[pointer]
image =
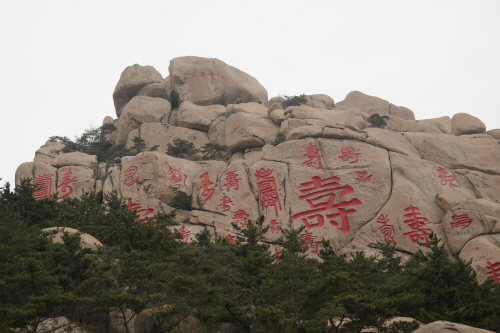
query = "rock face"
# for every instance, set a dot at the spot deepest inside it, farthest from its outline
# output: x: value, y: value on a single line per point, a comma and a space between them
x: 446, y: 327
x: 319, y: 166
x: 206, y: 81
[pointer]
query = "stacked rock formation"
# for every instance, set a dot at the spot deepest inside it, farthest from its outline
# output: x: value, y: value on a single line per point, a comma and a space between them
x: 343, y: 180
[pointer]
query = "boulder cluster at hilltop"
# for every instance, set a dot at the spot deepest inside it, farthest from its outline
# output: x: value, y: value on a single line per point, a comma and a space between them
x: 333, y: 172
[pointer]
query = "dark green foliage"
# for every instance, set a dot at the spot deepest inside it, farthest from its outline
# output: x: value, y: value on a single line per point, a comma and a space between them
x: 377, y: 120
x: 214, y: 151
x: 294, y: 101
x: 182, y: 149
x: 280, y: 138
x: 230, y: 288
x: 181, y: 200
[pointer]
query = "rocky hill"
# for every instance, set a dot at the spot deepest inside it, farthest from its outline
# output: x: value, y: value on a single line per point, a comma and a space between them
x: 321, y: 165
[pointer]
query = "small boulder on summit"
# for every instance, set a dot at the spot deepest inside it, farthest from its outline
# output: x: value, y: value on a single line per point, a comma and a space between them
x: 364, y: 103
x: 208, y: 81
x: 463, y: 123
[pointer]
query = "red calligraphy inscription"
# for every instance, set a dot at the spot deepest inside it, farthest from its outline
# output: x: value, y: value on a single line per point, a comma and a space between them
x: 309, y: 241
x: 67, y: 184
x: 232, y: 180
x: 319, y: 194
x: 129, y: 174
x: 461, y: 221
x: 240, y: 218
x: 231, y: 239
x: 494, y: 271
x: 313, y: 153
x: 142, y: 212
x: 193, y: 74
x: 43, y: 187
x: 206, y: 192
x: 362, y: 176
x: 387, y: 229
x: 445, y: 179
x: 277, y: 255
x: 268, y: 191
x: 176, y: 177
x: 349, y: 154
x: 274, y: 227
x: 225, y: 202
x: 185, y: 234
x: 416, y: 222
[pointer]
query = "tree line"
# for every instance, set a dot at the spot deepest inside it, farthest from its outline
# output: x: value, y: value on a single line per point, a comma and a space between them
x: 219, y: 286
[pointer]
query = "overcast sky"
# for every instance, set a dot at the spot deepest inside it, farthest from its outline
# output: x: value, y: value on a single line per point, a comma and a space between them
x: 61, y: 60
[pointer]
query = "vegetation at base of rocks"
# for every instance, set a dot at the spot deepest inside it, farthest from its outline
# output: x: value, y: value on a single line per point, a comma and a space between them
x: 182, y: 149
x: 377, y: 120
x: 94, y: 141
x: 214, y: 151
x: 181, y: 200
x: 294, y: 101
x: 227, y: 286
x: 280, y: 138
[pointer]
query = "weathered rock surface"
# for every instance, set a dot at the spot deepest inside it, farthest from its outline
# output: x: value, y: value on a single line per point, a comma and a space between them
x: 87, y: 241
x: 198, y: 117
x: 321, y: 101
x: 133, y: 79
x: 463, y: 123
x: 364, y: 103
x: 47, y: 152
x: 246, y: 130
x: 206, y: 81
x: 448, y: 327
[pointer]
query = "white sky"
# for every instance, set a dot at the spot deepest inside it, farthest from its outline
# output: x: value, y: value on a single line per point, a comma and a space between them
x: 61, y: 60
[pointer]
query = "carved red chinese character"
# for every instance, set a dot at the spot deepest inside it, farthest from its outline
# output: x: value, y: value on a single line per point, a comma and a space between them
x: 494, y: 271
x: 309, y: 241
x: 268, y: 191
x: 240, y: 218
x: 129, y: 174
x: 274, y: 227
x: 319, y: 194
x: 362, y: 176
x: 225, y: 202
x: 277, y: 255
x: 445, y: 179
x: 232, y: 180
x: 67, y: 184
x: 348, y: 154
x: 206, y: 192
x: 202, y: 74
x: 416, y: 222
x: 185, y: 233
x: 231, y: 239
x: 142, y: 212
x: 461, y: 221
x: 193, y: 74
x: 313, y: 155
x: 387, y: 229
x: 43, y: 187
x: 176, y: 177
x: 211, y: 74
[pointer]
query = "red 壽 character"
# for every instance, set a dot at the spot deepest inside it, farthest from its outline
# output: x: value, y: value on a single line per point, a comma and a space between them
x: 274, y: 227
x: 313, y: 155
x: 362, y: 176
x: 268, y: 191
x: 140, y: 211
x: 494, y: 271
x: 461, y: 221
x: 232, y: 180
x: 43, y: 187
x: 319, y: 194
x: 130, y: 173
x: 176, y: 177
x: 387, y: 229
x: 445, y: 179
x: 349, y: 153
x: 309, y: 241
x: 416, y: 222
x: 207, y: 192
x: 240, y: 218
x: 231, y: 239
x: 185, y: 233
x: 225, y: 201
x: 67, y: 184
x: 277, y: 255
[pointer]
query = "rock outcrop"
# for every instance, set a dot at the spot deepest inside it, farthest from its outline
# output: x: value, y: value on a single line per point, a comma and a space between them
x: 320, y: 166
